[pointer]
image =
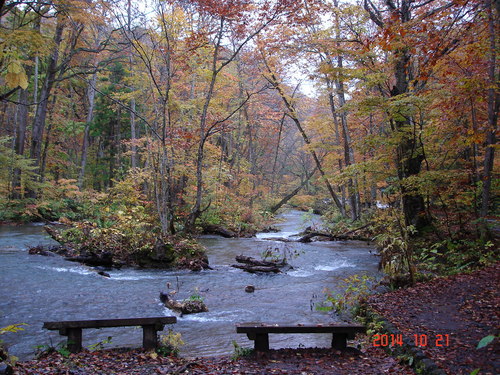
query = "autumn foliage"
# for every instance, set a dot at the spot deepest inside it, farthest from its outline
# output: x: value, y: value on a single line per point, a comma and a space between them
x: 217, y: 110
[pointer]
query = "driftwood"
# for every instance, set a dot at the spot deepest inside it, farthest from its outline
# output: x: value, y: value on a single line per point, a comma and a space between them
x: 335, y: 237
x: 184, y: 307
x: 54, y: 233
x: 256, y: 262
x: 104, y: 260
x: 278, y: 239
x: 227, y: 233
x: 253, y: 269
x: 359, y: 228
x: 221, y: 231
x: 253, y: 265
x: 309, y: 236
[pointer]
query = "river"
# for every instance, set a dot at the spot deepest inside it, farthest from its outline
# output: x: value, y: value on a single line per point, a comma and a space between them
x: 35, y: 289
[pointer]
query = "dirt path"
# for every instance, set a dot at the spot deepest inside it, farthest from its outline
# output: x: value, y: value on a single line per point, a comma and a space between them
x: 450, y: 315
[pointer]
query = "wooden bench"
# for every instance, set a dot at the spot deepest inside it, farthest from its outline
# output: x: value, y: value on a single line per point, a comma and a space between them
x: 260, y: 332
x: 73, y: 329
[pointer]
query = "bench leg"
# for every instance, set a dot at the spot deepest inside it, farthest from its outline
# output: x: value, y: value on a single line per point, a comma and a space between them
x: 261, y: 343
x: 339, y: 341
x: 74, y: 339
x: 149, y: 337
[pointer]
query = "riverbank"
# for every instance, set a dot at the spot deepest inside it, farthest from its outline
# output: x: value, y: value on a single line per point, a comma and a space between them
x: 452, y: 313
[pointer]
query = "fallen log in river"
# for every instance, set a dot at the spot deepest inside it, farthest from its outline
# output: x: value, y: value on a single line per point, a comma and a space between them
x: 253, y: 265
x: 348, y: 236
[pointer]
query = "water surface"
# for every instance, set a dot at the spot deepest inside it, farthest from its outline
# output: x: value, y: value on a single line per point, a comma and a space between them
x: 35, y: 289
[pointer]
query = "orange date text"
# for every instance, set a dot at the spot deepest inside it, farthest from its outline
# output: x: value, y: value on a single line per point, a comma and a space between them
x: 421, y: 340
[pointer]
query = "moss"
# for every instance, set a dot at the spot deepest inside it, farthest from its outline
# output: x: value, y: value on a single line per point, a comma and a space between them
x: 137, y: 246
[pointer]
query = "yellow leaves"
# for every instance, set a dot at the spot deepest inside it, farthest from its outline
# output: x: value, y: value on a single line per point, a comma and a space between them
x: 16, y: 76
x: 12, y: 328
x: 15, y: 67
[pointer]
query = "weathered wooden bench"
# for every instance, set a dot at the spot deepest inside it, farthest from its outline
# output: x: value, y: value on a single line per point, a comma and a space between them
x: 73, y: 329
x: 260, y: 332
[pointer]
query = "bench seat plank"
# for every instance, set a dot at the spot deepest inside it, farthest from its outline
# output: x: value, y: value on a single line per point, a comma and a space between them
x: 259, y: 332
x: 300, y: 328
x: 101, y: 323
x: 73, y: 329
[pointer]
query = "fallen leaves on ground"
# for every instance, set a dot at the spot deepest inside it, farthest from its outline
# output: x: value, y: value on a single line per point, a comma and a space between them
x: 311, y: 361
x: 465, y: 307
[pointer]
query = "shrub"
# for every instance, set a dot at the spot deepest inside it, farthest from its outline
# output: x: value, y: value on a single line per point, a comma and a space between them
x: 170, y: 344
x: 356, y: 289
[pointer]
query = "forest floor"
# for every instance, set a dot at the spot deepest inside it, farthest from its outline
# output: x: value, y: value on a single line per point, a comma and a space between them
x: 465, y: 307
x: 452, y: 314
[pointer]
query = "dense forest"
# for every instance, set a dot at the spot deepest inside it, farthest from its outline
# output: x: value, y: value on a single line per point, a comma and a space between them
x: 167, y: 117
x: 131, y: 127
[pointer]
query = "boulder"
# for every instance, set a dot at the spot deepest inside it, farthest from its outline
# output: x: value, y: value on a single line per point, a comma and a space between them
x: 249, y: 289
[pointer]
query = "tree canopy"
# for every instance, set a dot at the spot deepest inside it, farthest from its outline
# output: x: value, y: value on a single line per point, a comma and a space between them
x: 199, y: 110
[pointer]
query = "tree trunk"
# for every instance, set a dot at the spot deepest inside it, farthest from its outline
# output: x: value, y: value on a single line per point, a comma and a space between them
x: 133, y: 135
x: 292, y: 114
x: 348, y: 150
x: 278, y: 141
x: 90, y: 116
x: 133, y: 157
x: 41, y: 110
x: 45, y: 149
x: 289, y: 196
x: 331, y: 100
x: 408, y: 155
x: 196, y: 210
x: 22, y: 122
x: 493, y: 106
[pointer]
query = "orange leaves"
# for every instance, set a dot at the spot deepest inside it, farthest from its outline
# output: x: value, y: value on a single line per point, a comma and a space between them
x: 230, y: 9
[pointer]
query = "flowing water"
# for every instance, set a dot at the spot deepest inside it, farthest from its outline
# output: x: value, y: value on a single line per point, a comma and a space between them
x: 35, y: 288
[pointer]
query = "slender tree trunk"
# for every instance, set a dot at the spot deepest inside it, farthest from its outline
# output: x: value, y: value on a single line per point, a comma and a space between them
x: 90, y: 115
x: 293, y: 115
x: 133, y: 135
x: 133, y: 158
x: 41, y: 110
x: 273, y: 175
x: 348, y: 150
x: 196, y: 210
x: 493, y: 106
x: 331, y: 100
x: 22, y: 122
x: 293, y: 193
x: 35, y: 80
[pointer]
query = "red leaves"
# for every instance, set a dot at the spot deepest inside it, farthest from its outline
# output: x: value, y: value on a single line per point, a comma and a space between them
x: 230, y: 9
x: 285, y: 361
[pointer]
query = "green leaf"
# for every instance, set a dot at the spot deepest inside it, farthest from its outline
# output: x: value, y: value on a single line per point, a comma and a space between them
x: 475, y: 372
x: 485, y: 341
